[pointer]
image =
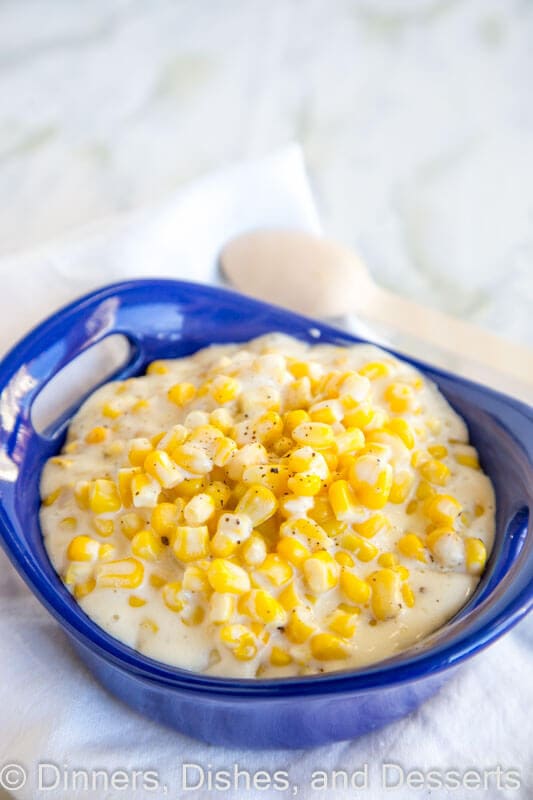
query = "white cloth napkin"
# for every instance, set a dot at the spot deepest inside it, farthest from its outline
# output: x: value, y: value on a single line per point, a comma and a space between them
x: 52, y: 711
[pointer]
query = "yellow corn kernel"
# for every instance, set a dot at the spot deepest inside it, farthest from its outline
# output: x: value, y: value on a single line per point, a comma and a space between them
x: 435, y: 472
x: 334, y: 527
x: 354, y: 588
x: 140, y: 405
x: 103, y: 496
x: 145, y: 491
x: 195, y: 580
x: 221, y: 607
x: 386, y: 593
x: 130, y: 524
x: 149, y: 625
x: 447, y: 547
x: 424, y: 490
x: 96, y: 435
x: 159, y: 465
x: 225, y: 576
x: 315, y: 536
x: 126, y: 573
x: 136, y: 602
x: 352, y: 440
x: 468, y: 458
x: 220, y: 493
x: 321, y: 510
x: 292, y: 550
x: 254, y: 550
x: 164, y: 518
x: 50, y: 499
x: 363, y: 549
x: 344, y: 559
x: 240, y: 640
x: 273, y: 476
x: 374, y: 370
x: 291, y: 420
x: 314, y: 434
x: 371, y: 479
x: 199, y: 509
x: 388, y: 560
x: 191, y: 543
x: 289, y: 598
x: 157, y: 368
x: 139, y: 449
x: 442, y: 509
x: 83, y: 548
x: 224, y: 449
x: 263, y: 607
x: 304, y: 484
x: 192, y: 614
x: 377, y: 523
x: 401, y: 428
x: 299, y: 394
x: 321, y: 571
x: 299, y: 627
x: 400, y: 397
x: 105, y: 527
x: 146, y: 545
x: 268, y: 427
x: 190, y: 487
x: 411, y: 546
x: 182, y: 393
x: 171, y: 439
x: 342, y: 622
x: 155, y: 440
x: 282, y: 446
x: 408, y: 595
x: 279, y: 657
x: 173, y: 596
x: 401, y: 486
x: 69, y: 523
x: 232, y: 530
x: 157, y: 581
x: 258, y: 503
x: 111, y: 411
x: 276, y: 569
x: 476, y: 555
x: 402, y: 571
x: 84, y: 588
x: 360, y: 417
x: 222, y: 419
x: 412, y: 507
x: 192, y: 458
x: 438, y: 451
x: 344, y: 502
x: 224, y: 389
x: 327, y: 411
x: 124, y: 481
x: 327, y: 647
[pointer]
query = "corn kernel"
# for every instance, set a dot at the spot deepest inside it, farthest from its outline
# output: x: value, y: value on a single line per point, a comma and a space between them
x: 292, y: 550
x: 411, y: 546
x: 96, y: 435
x: 304, y: 484
x: 276, y: 569
x: 130, y: 524
x: 164, y: 518
x: 157, y: 368
x: 182, y: 393
x: 327, y: 647
x: 159, y: 465
x: 299, y: 627
x: 408, y: 595
x: 435, y: 472
x: 372, y: 480
x: 401, y: 486
x: 172, y: 596
x: 352, y: 440
x: 191, y: 543
x: 191, y: 487
x: 126, y: 573
x: 447, y: 547
x: 195, y: 580
x: 83, y: 548
x: 344, y: 559
x: 225, y: 576
x: 374, y: 370
x: 192, y: 458
x: 401, y: 428
x: 145, y: 491
x: 400, y: 397
x: 221, y: 607
x: 327, y: 411
x: 291, y: 420
x: 354, y: 588
x: 103, y: 496
x: 263, y: 607
x: 81, y: 590
x: 199, y: 509
x: 321, y: 571
x: 224, y: 389
x: 105, y: 527
x: 146, y: 545
x: 280, y: 657
x: 241, y: 641
x: 442, y: 509
x: 136, y: 602
x: 343, y: 623
x: 476, y: 555
x: 254, y: 550
x: 258, y: 503
x: 438, y: 451
x: 386, y: 593
x: 344, y: 502
x: 377, y: 523
x: 222, y: 419
x: 139, y: 449
x: 314, y: 434
x: 111, y: 411
x: 315, y: 536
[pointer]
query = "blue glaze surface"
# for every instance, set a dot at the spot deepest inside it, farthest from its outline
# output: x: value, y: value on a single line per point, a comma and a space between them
x: 164, y: 319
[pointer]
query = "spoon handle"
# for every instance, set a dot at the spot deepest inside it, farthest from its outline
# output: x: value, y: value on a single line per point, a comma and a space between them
x: 450, y: 333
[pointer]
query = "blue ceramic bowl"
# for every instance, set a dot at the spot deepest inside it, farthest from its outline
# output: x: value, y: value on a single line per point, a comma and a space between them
x: 165, y: 319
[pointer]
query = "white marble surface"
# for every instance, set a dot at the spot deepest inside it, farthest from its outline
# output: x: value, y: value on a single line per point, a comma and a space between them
x: 415, y: 117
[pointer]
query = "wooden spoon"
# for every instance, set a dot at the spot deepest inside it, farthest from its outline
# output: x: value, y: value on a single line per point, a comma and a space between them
x: 320, y: 278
